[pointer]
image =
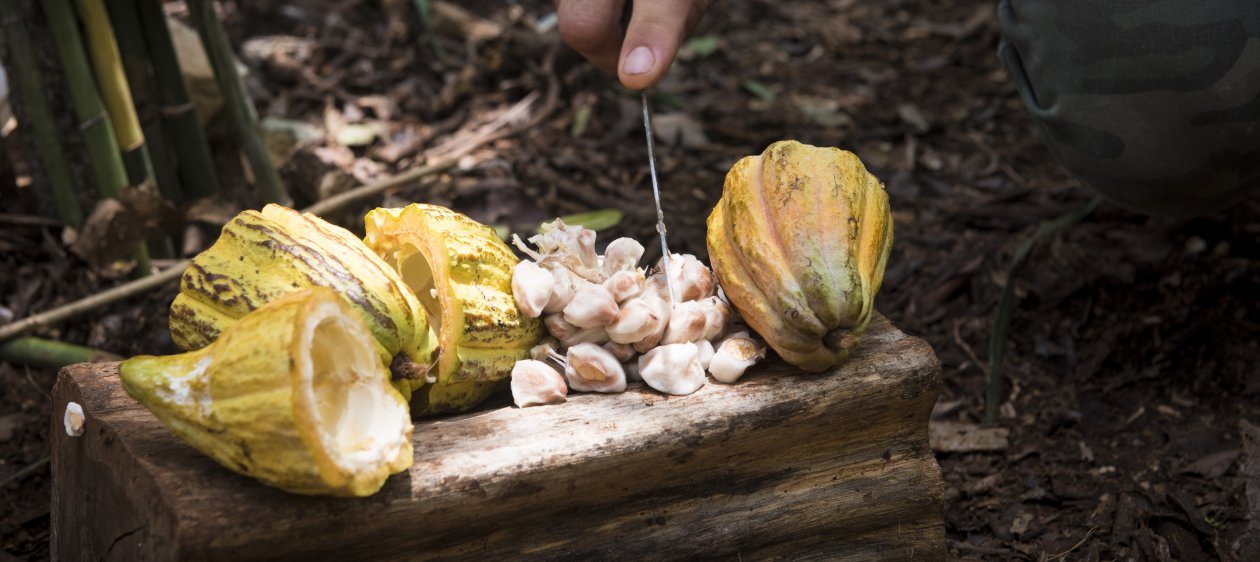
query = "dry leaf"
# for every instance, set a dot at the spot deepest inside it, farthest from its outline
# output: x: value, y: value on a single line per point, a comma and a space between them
x: 679, y: 129
x: 949, y: 437
x: 1214, y: 465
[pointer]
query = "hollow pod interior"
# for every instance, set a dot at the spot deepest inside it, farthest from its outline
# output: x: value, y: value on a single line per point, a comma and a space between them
x: 461, y: 272
x: 293, y: 394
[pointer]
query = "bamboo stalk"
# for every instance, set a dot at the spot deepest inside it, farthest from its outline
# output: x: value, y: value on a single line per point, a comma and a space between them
x: 499, y: 128
x: 135, y: 58
x: 112, y: 81
x: 241, y: 108
x: 179, y: 118
x: 98, y: 131
x: 94, y: 122
x: 426, y: 27
x: 30, y: 83
x: 51, y: 354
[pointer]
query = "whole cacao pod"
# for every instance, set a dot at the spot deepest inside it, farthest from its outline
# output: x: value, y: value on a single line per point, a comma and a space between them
x: 799, y: 241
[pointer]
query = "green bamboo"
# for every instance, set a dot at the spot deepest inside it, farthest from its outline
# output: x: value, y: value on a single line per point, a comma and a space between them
x: 98, y: 132
x: 240, y: 107
x: 50, y: 354
x: 94, y: 122
x: 135, y: 58
x: 30, y: 83
x: 179, y: 116
x: 112, y: 80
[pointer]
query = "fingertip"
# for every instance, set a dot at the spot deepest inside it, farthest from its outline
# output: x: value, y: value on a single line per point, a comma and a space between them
x: 640, y: 68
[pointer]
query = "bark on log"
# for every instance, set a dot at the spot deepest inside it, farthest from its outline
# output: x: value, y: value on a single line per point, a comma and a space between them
x: 781, y: 465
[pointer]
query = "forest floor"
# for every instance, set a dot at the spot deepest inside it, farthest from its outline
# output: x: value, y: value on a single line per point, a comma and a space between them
x: 1131, y: 364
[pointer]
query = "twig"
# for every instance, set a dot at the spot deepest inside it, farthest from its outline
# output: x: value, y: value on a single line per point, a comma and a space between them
x: 29, y: 220
x: 966, y: 347
x: 35, y: 385
x: 1082, y: 542
x: 454, y: 150
x: 1006, y: 306
x: 485, y: 134
x: 98, y: 300
x: 342, y: 199
x: 24, y: 472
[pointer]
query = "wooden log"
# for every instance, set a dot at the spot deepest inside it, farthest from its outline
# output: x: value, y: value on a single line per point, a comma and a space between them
x: 780, y: 465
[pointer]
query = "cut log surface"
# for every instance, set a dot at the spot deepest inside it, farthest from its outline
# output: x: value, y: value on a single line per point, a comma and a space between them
x: 782, y: 465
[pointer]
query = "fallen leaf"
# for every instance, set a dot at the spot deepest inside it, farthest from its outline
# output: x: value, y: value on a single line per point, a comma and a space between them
x: 699, y: 47
x: 110, y: 233
x: 822, y: 112
x: 913, y: 116
x: 358, y: 134
x: 948, y: 437
x: 679, y: 129
x: 762, y: 91
x: 283, y: 51
x: 211, y: 210
x: 594, y: 220
x: 581, y: 118
x: 981, y: 486
x: 946, y: 407
x: 1019, y: 525
x: 1214, y: 465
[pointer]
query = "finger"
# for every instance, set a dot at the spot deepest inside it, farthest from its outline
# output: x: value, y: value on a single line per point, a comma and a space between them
x: 592, y: 28
x: 656, y: 29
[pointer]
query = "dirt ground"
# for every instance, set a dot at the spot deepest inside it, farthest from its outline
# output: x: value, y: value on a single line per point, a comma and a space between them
x: 1131, y: 361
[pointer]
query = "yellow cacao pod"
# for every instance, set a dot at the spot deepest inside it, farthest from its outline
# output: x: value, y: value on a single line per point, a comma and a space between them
x: 293, y: 394
x: 799, y: 241
x: 263, y: 256
x: 462, y: 273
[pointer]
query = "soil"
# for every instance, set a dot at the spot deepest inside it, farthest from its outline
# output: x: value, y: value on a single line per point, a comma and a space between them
x: 1131, y: 357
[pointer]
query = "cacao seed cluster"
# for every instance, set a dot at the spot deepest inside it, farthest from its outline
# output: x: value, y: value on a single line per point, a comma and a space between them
x: 610, y: 322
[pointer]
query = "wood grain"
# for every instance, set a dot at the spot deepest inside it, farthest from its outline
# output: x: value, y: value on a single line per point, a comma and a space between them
x: 781, y: 465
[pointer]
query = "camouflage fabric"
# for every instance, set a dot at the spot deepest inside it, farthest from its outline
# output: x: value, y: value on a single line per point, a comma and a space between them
x: 1153, y: 103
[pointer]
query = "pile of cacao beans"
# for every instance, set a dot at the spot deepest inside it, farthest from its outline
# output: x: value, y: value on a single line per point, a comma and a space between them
x: 610, y: 322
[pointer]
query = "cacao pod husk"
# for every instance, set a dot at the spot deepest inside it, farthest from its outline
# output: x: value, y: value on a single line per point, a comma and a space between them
x: 799, y: 242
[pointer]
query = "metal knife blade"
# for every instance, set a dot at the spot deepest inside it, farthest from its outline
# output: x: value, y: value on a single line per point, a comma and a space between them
x: 656, y: 196
x: 627, y: 10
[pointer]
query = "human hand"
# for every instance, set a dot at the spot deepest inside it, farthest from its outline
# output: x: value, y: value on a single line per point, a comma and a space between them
x: 640, y: 56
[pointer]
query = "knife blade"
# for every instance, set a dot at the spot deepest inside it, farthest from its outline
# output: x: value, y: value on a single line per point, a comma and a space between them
x: 627, y: 11
x: 656, y: 197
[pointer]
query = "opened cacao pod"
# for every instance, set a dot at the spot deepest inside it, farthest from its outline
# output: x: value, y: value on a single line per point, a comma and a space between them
x: 799, y: 241
x: 293, y: 394
x: 263, y: 256
x: 461, y: 271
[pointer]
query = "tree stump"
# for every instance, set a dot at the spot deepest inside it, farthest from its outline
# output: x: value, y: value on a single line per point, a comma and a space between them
x: 781, y: 465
